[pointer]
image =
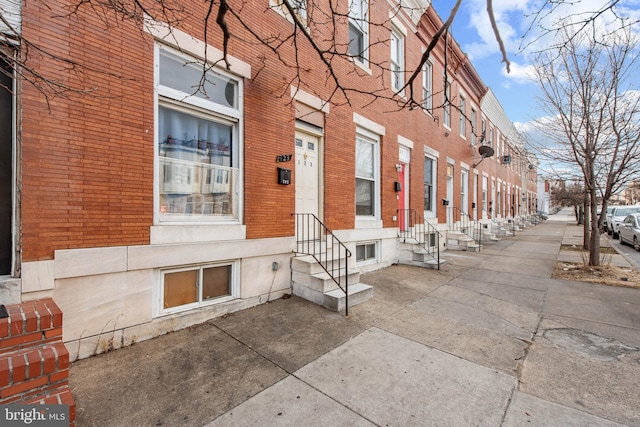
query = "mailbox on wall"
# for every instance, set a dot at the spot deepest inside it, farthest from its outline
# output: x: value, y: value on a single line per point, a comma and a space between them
x: 284, y: 176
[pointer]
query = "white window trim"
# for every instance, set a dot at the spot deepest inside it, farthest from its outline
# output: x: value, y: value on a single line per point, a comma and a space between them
x: 169, y: 96
x: 397, y: 50
x: 276, y: 5
x: 434, y: 187
x: 464, y: 185
x: 184, y: 42
x: 427, y: 83
x: 446, y: 96
x: 375, y: 141
x: 463, y: 115
x: 373, y: 131
x: 159, y: 310
x: 474, y: 125
x: 374, y: 260
x: 364, y: 63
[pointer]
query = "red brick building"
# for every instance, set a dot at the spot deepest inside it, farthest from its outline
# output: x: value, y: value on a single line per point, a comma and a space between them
x: 146, y: 205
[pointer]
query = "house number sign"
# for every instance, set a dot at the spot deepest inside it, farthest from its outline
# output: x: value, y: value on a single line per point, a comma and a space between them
x: 283, y: 158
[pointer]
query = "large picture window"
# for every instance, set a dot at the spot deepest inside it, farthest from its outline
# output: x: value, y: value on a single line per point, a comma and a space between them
x: 198, y: 118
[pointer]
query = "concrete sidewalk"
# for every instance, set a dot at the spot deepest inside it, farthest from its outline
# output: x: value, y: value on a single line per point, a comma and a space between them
x: 489, y: 340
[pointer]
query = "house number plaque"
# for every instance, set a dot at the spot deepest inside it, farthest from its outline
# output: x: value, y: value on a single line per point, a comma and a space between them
x: 283, y: 158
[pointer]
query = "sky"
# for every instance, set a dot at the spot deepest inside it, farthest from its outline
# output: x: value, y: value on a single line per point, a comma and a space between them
x: 472, y: 30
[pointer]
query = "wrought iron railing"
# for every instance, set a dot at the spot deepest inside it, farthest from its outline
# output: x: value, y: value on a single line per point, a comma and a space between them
x: 315, y: 239
x: 461, y: 221
x: 415, y: 228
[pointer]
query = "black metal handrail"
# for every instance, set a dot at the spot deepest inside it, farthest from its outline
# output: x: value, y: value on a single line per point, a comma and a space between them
x: 461, y: 221
x: 414, y: 227
x: 315, y: 239
x: 511, y: 225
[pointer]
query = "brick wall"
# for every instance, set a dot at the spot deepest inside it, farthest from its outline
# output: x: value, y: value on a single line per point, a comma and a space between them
x: 87, y: 160
x: 34, y: 362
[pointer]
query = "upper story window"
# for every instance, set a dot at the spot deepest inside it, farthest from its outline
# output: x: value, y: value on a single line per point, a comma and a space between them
x: 483, y: 128
x: 463, y: 116
x: 397, y: 59
x: 474, y: 119
x: 491, y: 136
x: 427, y: 86
x: 446, y: 103
x: 299, y: 7
x: 358, y: 30
x: 198, y: 157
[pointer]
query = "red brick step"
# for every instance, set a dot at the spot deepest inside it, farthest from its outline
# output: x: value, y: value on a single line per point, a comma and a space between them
x: 34, y: 362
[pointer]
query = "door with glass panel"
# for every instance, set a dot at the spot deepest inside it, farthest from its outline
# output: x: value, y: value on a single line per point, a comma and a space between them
x: 307, y: 181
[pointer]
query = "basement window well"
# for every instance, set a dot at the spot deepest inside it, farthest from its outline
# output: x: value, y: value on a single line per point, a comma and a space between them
x: 191, y: 287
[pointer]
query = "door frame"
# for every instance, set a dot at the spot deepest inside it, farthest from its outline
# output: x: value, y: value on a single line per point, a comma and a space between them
x: 316, y: 132
x: 14, y: 268
x: 403, y: 194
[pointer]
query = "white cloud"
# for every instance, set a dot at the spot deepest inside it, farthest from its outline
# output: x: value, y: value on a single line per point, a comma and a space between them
x: 514, y: 19
x: 520, y: 73
x: 508, y: 15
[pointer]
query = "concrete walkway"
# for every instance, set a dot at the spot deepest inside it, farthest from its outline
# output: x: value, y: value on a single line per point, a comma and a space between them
x: 489, y: 340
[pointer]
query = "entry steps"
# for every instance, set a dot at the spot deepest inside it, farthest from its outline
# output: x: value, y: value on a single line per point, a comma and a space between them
x: 313, y: 283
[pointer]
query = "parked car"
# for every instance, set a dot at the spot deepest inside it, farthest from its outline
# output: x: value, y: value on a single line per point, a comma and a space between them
x: 618, y: 215
x: 607, y: 219
x: 630, y: 231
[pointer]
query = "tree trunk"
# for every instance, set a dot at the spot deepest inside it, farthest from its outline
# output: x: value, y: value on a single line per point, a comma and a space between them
x: 586, y: 223
x: 594, y: 244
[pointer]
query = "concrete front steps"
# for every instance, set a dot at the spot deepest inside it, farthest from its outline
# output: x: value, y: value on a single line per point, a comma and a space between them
x: 459, y: 241
x: 34, y: 362
x: 416, y: 255
x: 313, y: 283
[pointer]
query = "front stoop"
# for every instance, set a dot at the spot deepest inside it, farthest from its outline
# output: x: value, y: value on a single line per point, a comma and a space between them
x: 458, y: 241
x: 416, y: 255
x: 313, y: 283
x: 34, y: 362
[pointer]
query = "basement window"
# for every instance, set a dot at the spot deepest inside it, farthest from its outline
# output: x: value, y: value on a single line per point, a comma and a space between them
x: 366, y: 253
x: 191, y: 287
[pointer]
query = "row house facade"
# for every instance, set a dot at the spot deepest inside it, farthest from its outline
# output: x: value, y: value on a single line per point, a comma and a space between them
x: 146, y: 205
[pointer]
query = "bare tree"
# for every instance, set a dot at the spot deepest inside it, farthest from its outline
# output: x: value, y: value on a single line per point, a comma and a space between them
x: 593, y: 111
x: 316, y: 24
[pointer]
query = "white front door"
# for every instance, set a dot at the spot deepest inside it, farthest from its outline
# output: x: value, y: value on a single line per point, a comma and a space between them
x: 449, y: 207
x: 307, y: 177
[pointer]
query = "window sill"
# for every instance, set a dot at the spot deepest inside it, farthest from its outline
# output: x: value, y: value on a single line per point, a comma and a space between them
x: 194, y: 306
x: 368, y: 222
x: 362, y: 66
x: 196, y: 233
